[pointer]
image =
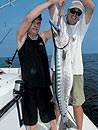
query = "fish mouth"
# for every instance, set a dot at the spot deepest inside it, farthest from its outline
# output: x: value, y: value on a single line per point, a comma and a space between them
x: 56, y: 32
x: 56, y: 28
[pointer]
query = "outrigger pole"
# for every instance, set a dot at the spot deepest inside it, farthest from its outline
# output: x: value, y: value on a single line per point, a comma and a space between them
x: 9, y: 3
x: 6, y: 35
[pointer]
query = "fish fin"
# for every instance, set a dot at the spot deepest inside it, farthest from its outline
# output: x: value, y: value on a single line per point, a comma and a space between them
x: 68, y: 124
x: 64, y: 55
x: 70, y: 101
x: 54, y: 99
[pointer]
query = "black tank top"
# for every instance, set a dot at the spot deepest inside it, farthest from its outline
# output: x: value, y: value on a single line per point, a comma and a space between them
x: 34, y: 63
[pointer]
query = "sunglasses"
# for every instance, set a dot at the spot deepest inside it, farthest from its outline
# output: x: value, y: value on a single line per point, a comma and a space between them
x: 73, y: 11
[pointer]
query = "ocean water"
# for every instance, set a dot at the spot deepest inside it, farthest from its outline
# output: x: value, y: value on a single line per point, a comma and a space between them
x: 91, y: 86
x: 90, y: 61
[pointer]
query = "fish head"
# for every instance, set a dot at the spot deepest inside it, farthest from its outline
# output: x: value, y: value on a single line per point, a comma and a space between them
x: 55, y: 29
x: 60, y: 36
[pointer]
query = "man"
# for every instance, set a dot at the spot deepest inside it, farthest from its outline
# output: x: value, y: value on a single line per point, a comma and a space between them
x: 76, y: 28
x: 35, y: 70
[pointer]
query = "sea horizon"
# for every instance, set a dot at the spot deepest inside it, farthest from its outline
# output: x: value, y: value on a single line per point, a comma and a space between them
x: 48, y: 54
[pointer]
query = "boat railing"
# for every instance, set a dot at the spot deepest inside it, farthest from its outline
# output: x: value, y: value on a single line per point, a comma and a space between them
x: 8, y: 106
x: 17, y: 96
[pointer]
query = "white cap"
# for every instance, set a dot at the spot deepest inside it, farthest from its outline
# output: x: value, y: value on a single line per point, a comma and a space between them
x: 76, y: 4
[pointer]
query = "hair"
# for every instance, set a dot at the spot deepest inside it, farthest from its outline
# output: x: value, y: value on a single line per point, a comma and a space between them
x: 38, y: 17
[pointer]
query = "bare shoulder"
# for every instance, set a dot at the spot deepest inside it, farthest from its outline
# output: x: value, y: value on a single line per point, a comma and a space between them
x: 46, y: 35
x: 20, y: 40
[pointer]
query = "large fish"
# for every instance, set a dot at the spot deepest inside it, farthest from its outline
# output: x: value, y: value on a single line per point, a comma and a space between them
x: 63, y: 66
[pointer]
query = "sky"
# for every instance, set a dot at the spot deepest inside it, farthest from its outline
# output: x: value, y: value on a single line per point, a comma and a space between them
x: 12, y: 17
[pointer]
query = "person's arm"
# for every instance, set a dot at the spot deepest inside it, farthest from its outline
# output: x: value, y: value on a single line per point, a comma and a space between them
x: 22, y: 31
x: 52, y: 8
x: 46, y: 35
x: 89, y: 8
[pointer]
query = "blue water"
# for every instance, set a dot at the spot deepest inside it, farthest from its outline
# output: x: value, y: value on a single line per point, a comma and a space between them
x: 91, y: 86
x: 90, y: 61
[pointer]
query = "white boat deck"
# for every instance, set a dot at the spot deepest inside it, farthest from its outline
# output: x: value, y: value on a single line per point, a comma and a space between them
x: 10, y: 120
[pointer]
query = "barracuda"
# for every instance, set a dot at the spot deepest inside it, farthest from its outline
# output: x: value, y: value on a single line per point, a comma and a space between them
x: 63, y: 67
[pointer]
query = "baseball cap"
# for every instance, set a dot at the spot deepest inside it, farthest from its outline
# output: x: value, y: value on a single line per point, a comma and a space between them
x: 76, y: 4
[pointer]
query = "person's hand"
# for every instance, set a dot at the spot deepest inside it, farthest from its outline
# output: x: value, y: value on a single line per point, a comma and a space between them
x: 61, y: 3
x: 53, y: 1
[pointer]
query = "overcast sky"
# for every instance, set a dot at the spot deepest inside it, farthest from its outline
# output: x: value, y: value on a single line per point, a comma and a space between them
x: 13, y: 16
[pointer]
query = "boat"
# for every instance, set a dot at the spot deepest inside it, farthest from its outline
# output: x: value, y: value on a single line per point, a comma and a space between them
x: 10, y: 105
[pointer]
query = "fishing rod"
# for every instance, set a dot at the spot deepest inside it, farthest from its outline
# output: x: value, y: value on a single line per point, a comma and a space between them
x: 9, y: 62
x: 9, y: 3
x: 6, y: 35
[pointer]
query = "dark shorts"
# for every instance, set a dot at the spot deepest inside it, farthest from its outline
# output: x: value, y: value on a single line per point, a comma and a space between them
x: 37, y: 99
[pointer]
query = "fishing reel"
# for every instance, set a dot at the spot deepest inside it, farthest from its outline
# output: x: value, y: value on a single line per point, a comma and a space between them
x: 19, y: 88
x: 9, y: 62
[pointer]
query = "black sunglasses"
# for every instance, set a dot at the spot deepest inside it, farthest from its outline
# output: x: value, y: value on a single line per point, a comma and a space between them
x: 73, y: 11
